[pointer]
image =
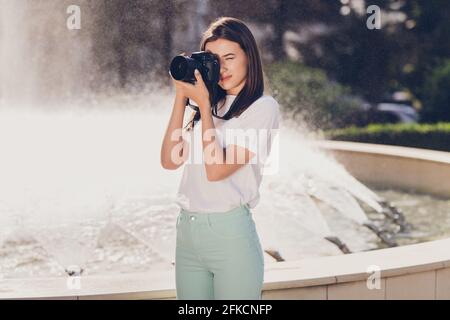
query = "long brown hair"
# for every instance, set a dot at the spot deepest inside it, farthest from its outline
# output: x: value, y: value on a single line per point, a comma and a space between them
x: 235, y: 30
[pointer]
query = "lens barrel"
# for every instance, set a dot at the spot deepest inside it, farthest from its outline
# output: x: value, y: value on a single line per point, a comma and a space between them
x: 182, y: 68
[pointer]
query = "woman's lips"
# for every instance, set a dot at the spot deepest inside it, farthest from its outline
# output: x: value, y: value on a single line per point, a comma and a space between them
x: 226, y: 78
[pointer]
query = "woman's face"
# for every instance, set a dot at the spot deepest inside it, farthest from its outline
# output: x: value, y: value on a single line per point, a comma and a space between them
x: 233, y: 64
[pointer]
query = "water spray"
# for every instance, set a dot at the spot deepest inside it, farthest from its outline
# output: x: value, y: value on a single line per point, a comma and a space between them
x: 395, y: 215
x: 74, y: 271
x: 341, y: 245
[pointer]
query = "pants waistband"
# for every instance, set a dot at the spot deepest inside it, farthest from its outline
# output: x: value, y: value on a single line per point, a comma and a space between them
x: 199, y: 216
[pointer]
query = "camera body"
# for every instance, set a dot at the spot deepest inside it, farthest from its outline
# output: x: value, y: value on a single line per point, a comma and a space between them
x: 182, y: 68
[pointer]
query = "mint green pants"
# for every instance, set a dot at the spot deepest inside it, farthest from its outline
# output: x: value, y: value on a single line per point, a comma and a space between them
x: 218, y: 256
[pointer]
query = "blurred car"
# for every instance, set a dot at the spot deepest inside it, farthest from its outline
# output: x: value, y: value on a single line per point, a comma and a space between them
x: 395, y: 112
x: 384, y: 112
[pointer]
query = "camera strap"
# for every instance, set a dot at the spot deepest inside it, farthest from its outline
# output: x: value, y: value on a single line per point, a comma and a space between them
x: 194, y: 107
x: 213, y: 93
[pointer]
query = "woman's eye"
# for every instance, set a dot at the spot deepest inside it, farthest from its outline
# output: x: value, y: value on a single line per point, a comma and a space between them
x: 229, y: 59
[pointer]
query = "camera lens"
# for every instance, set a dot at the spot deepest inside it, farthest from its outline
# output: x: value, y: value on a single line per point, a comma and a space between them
x: 179, y: 67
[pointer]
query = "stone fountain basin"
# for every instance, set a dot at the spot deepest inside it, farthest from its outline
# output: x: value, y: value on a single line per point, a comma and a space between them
x: 419, y: 271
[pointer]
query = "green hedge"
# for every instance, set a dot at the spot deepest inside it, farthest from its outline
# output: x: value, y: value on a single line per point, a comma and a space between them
x: 428, y: 136
x: 308, y: 95
x: 436, y: 94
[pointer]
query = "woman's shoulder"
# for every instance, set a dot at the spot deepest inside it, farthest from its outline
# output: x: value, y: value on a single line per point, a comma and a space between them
x: 265, y: 103
x: 267, y: 99
x: 263, y: 112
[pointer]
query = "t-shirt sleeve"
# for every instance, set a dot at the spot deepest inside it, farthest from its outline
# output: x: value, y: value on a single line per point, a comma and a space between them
x: 255, y: 127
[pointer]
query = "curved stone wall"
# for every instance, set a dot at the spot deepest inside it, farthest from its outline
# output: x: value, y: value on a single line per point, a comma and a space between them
x: 420, y: 271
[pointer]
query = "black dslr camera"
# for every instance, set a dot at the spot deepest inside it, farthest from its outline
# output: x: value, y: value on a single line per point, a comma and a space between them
x: 182, y: 68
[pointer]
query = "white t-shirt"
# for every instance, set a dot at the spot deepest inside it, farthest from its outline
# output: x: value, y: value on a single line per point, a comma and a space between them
x: 254, y: 129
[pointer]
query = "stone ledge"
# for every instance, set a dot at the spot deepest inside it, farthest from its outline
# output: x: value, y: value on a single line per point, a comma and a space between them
x: 403, y: 270
x: 393, y: 262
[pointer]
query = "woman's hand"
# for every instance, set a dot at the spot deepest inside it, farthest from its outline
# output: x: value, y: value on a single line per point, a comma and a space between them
x: 196, y: 92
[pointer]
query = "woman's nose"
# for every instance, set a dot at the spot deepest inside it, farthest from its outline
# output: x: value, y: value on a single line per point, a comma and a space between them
x: 223, y: 69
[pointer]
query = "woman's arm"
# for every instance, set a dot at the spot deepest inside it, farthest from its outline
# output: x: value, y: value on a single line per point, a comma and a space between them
x: 219, y: 163
x: 172, y: 155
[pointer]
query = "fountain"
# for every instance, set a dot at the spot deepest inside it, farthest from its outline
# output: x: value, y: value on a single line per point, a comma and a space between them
x: 83, y: 192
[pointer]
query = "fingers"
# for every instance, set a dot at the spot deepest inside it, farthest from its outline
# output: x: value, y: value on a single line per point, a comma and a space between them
x: 198, y: 76
x: 182, y: 84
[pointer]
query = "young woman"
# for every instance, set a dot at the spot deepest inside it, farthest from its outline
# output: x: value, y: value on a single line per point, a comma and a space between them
x: 218, y: 251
